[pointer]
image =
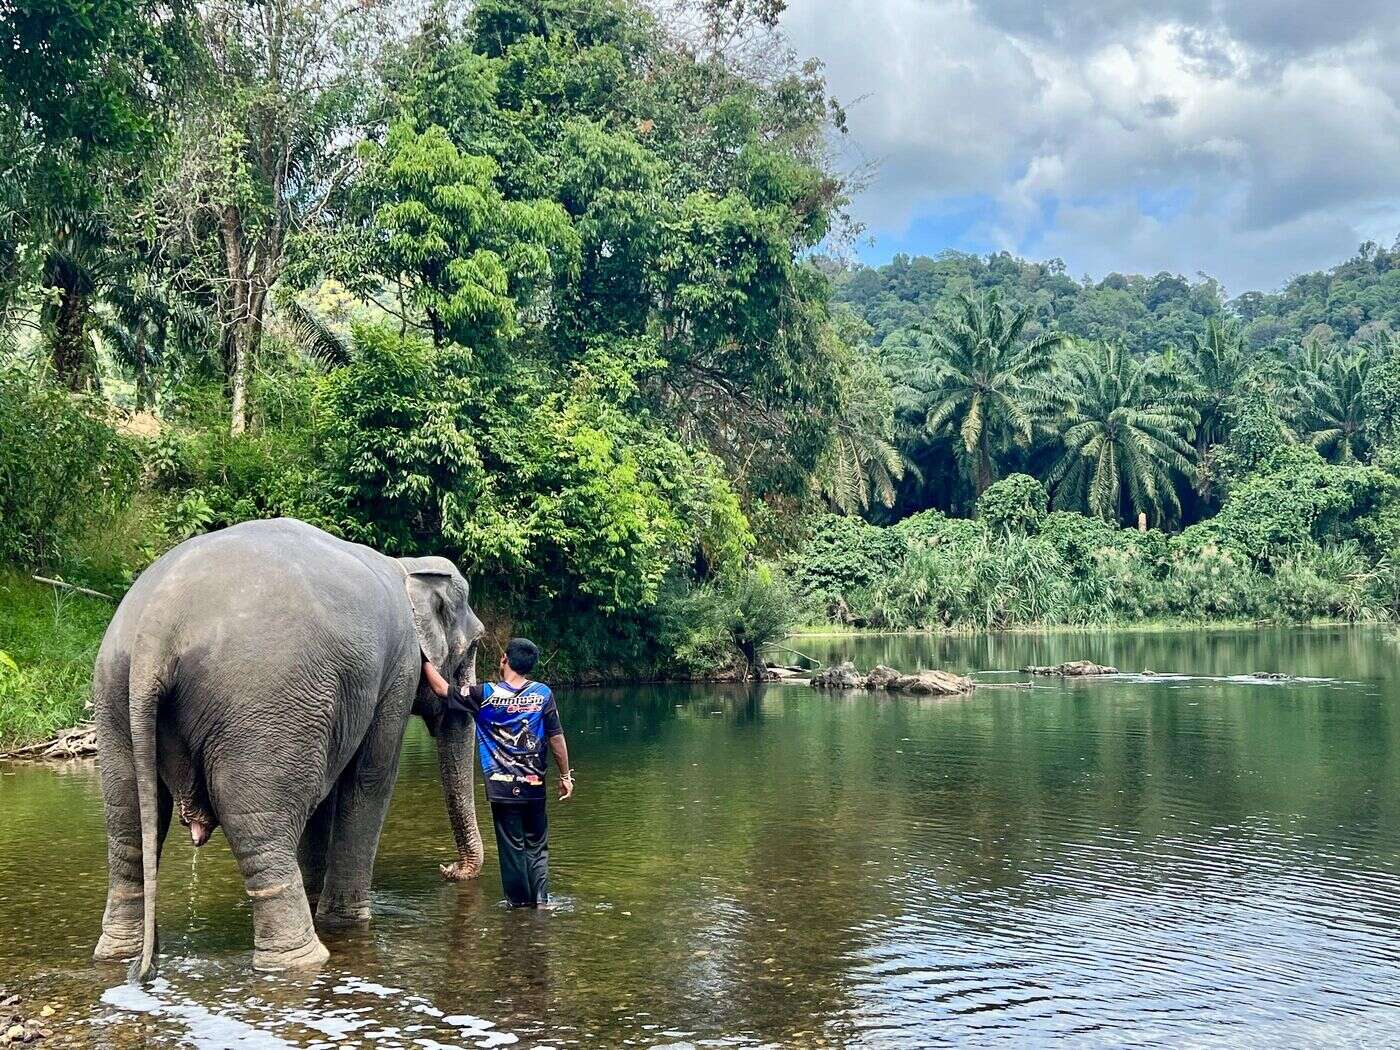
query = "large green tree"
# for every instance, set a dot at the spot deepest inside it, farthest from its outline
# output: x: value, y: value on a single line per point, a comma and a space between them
x: 1126, y: 443
x: 1214, y: 368
x: 85, y: 94
x: 983, y: 382
x: 1333, y: 418
x: 577, y: 187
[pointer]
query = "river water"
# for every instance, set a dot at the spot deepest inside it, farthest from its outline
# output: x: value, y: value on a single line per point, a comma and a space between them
x: 1186, y: 859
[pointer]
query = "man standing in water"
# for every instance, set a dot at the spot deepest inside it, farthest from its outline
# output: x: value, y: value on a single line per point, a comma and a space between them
x: 516, y: 719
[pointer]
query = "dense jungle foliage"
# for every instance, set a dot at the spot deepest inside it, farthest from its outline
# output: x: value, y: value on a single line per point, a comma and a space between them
x: 540, y: 285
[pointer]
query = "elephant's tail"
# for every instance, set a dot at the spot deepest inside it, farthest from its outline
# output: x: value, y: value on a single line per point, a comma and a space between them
x: 144, y: 697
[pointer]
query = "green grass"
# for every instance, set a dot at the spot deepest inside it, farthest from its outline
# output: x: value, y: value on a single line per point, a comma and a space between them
x: 52, y: 636
x: 1146, y: 626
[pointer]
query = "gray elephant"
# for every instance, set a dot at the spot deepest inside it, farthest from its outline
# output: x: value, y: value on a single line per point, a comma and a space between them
x: 261, y: 678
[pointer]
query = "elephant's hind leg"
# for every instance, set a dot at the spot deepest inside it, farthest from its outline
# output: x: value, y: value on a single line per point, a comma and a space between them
x: 263, y: 818
x: 122, y: 918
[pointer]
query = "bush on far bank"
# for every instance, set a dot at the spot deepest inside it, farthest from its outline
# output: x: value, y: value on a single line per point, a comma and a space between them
x: 1296, y: 541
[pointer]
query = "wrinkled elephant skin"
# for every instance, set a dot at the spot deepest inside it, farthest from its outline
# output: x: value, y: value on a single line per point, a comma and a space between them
x: 260, y: 679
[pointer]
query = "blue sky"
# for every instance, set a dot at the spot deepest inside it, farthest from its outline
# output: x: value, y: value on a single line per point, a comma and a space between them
x: 1250, y: 139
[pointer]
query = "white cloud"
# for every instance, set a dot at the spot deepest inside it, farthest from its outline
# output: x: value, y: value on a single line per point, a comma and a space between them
x: 1271, y: 126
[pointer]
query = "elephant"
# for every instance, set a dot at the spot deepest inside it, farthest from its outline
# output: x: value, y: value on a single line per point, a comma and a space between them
x: 260, y: 678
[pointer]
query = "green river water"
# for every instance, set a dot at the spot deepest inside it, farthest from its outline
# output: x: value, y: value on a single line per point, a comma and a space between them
x: 1187, y: 859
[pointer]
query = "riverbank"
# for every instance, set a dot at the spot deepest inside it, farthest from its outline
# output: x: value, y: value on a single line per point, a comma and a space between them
x: 49, y: 637
x: 1140, y: 627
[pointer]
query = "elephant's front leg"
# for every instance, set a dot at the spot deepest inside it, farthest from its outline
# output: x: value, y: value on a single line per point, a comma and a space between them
x: 314, y: 846
x: 361, y: 802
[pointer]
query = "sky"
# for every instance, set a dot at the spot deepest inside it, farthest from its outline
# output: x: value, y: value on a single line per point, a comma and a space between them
x: 1247, y: 139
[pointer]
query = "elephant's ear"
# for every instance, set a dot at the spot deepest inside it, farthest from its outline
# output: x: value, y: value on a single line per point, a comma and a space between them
x: 427, y: 584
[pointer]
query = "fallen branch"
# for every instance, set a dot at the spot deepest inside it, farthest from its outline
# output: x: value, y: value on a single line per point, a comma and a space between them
x: 78, y: 742
x: 74, y: 587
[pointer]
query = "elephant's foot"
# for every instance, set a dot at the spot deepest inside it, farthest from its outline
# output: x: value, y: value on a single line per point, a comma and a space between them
x: 307, y: 957
x: 341, y: 915
x: 118, y: 943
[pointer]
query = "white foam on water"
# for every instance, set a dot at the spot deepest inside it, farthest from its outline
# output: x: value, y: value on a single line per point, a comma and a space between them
x: 205, y: 1029
x: 351, y: 985
x: 379, y: 1018
x: 475, y: 1024
x: 334, y: 1024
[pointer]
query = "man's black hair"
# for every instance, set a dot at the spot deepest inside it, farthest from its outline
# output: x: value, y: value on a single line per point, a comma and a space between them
x: 522, y: 655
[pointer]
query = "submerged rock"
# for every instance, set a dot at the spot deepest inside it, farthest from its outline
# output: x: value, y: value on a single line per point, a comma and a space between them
x: 933, y: 683
x: 838, y: 676
x: 1271, y: 676
x: 1071, y: 669
x: 923, y: 683
x: 882, y: 677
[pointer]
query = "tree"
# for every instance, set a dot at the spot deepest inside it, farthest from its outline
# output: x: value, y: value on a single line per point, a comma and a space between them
x: 1381, y: 396
x: 1215, y: 368
x: 755, y: 607
x: 568, y: 183
x: 1333, y: 420
x: 1125, y: 442
x: 983, y: 384
x: 262, y: 149
x: 85, y: 90
x: 466, y: 257
x: 862, y: 467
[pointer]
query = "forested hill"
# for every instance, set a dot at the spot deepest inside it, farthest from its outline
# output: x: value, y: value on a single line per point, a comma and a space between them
x: 1351, y: 303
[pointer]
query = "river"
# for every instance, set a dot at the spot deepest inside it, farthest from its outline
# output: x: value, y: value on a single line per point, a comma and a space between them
x: 1183, y: 859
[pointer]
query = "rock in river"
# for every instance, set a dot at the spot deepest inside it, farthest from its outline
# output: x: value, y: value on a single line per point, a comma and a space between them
x: 933, y: 683
x: 924, y: 683
x: 1072, y: 669
x: 882, y: 677
x: 838, y: 676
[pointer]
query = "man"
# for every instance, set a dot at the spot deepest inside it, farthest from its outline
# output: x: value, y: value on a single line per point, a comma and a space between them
x: 516, y: 718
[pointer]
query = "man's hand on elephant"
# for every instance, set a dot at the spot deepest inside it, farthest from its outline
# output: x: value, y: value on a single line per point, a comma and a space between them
x: 436, y: 682
x: 566, y: 786
x: 460, y: 870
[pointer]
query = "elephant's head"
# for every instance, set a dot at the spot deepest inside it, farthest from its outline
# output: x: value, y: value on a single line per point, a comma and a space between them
x: 448, y: 632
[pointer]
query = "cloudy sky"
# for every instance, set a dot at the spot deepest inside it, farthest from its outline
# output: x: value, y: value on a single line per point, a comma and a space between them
x: 1251, y: 139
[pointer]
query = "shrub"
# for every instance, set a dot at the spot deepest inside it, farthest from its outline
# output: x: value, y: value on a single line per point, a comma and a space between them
x: 843, y: 556
x: 1329, y: 582
x: 1297, y: 502
x: 51, y: 637
x: 1015, y: 504
x: 62, y: 469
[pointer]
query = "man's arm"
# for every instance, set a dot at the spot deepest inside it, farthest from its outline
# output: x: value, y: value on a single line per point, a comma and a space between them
x: 436, y: 682
x: 560, y: 750
x: 459, y: 701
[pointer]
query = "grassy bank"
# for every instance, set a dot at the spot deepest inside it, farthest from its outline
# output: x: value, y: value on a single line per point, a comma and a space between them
x: 1137, y: 627
x: 51, y: 637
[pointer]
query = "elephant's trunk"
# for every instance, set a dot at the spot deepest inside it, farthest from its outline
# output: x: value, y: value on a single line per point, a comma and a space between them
x: 456, y: 742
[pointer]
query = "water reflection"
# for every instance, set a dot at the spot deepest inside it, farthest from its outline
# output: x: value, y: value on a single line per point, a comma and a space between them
x: 1140, y: 861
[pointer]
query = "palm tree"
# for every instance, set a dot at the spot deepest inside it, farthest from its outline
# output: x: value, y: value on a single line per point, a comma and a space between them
x: 145, y: 324
x: 1334, y: 418
x: 1126, y: 440
x: 861, y: 465
x: 1215, y: 369
x: 985, y: 386
x: 860, y: 468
